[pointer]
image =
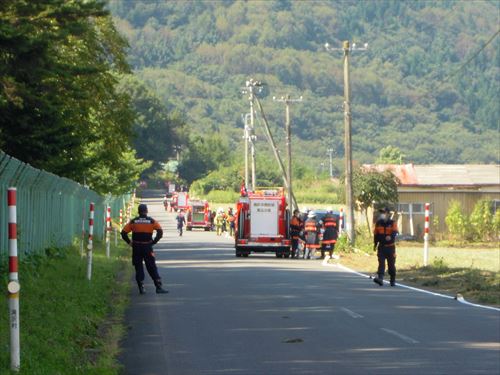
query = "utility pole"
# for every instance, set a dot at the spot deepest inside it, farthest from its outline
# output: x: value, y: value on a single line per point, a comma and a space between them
x: 177, y: 149
x: 287, y: 100
x: 346, y: 48
x: 274, y: 148
x: 246, y: 137
x: 249, y: 88
x: 330, y: 153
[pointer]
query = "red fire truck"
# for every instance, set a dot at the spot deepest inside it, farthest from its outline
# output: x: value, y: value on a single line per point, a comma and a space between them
x: 262, y: 224
x: 180, y: 200
x: 198, y: 215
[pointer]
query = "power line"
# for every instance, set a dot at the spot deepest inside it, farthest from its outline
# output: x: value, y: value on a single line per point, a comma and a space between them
x: 471, y: 58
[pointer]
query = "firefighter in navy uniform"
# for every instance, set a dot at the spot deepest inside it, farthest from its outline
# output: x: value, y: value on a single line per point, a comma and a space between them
x: 312, y: 231
x: 384, y: 236
x: 296, y: 226
x: 330, y: 233
x: 142, y: 228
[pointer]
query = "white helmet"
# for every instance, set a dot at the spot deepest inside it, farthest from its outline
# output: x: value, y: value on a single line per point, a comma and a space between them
x: 311, y: 214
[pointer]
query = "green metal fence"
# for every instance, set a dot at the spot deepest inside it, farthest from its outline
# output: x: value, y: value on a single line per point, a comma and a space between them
x: 50, y: 209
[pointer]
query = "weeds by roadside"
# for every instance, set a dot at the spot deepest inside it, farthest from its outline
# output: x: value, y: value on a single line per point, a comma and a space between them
x: 474, y: 273
x: 68, y: 324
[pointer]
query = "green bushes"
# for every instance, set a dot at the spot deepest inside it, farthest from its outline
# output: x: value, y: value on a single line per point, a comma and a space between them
x: 482, y: 221
x: 481, y: 225
x: 456, y: 221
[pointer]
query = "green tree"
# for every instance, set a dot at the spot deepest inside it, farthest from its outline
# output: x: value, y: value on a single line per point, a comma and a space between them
x: 390, y: 155
x: 59, y: 63
x: 372, y: 187
x: 202, y: 155
x: 154, y: 129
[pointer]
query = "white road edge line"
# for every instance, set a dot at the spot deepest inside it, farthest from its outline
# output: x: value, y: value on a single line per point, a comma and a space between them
x: 353, y: 314
x: 405, y: 338
x: 459, y: 299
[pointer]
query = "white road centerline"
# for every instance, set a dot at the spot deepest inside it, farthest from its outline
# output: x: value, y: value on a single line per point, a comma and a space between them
x: 405, y: 338
x: 351, y: 313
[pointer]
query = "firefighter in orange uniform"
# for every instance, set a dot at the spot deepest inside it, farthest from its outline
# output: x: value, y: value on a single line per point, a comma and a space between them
x: 330, y: 233
x: 142, y: 228
x: 296, y: 226
x: 312, y: 231
x: 384, y: 236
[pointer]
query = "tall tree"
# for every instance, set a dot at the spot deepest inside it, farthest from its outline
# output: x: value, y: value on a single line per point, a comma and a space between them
x: 154, y: 129
x: 59, y: 61
x: 373, y: 187
x: 390, y: 155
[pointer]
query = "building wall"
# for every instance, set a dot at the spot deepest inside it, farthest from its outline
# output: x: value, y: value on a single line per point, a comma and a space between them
x: 440, y: 200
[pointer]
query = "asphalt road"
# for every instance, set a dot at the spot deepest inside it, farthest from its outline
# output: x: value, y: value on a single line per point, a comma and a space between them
x: 263, y: 315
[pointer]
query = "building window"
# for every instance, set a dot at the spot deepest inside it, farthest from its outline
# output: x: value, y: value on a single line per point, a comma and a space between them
x: 403, y: 208
x: 495, y: 205
x: 417, y: 208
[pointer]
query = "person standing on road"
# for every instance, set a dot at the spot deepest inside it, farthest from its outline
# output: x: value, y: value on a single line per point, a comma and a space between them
x: 230, y: 219
x: 142, y: 228
x: 181, y: 220
x: 296, y: 226
x: 330, y: 233
x: 384, y: 236
x: 219, y: 219
x: 312, y: 231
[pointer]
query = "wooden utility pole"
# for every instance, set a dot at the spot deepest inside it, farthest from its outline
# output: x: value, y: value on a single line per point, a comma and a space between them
x: 288, y: 131
x: 348, y: 150
x: 347, y: 48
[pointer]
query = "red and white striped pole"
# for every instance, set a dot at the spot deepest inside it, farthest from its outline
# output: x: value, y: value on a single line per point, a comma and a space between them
x: 341, y: 220
x: 91, y: 243
x: 426, y: 234
x: 13, y: 287
x: 121, y: 218
x: 108, y: 230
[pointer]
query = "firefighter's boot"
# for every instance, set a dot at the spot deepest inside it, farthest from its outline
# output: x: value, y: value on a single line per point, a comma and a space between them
x: 393, y: 281
x: 379, y: 280
x: 159, y: 289
x: 140, y: 285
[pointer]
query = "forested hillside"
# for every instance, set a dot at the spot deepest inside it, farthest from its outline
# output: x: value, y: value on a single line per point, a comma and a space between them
x: 420, y: 85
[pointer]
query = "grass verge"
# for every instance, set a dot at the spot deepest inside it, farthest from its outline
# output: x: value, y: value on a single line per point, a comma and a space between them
x: 472, y: 272
x: 68, y: 324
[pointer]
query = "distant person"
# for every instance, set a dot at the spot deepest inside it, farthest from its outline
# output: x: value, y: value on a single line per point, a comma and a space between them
x: 142, y: 228
x: 384, y: 237
x: 219, y: 221
x: 181, y: 221
x: 312, y: 231
x: 330, y: 233
x: 231, y: 219
x: 212, y: 220
x: 296, y: 227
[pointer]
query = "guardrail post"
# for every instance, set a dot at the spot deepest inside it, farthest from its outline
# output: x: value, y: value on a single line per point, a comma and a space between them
x: 13, y: 287
x: 426, y: 234
x: 108, y: 230
x: 91, y: 243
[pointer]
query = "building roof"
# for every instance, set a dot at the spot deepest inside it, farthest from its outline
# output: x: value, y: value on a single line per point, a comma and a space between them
x: 466, y: 175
